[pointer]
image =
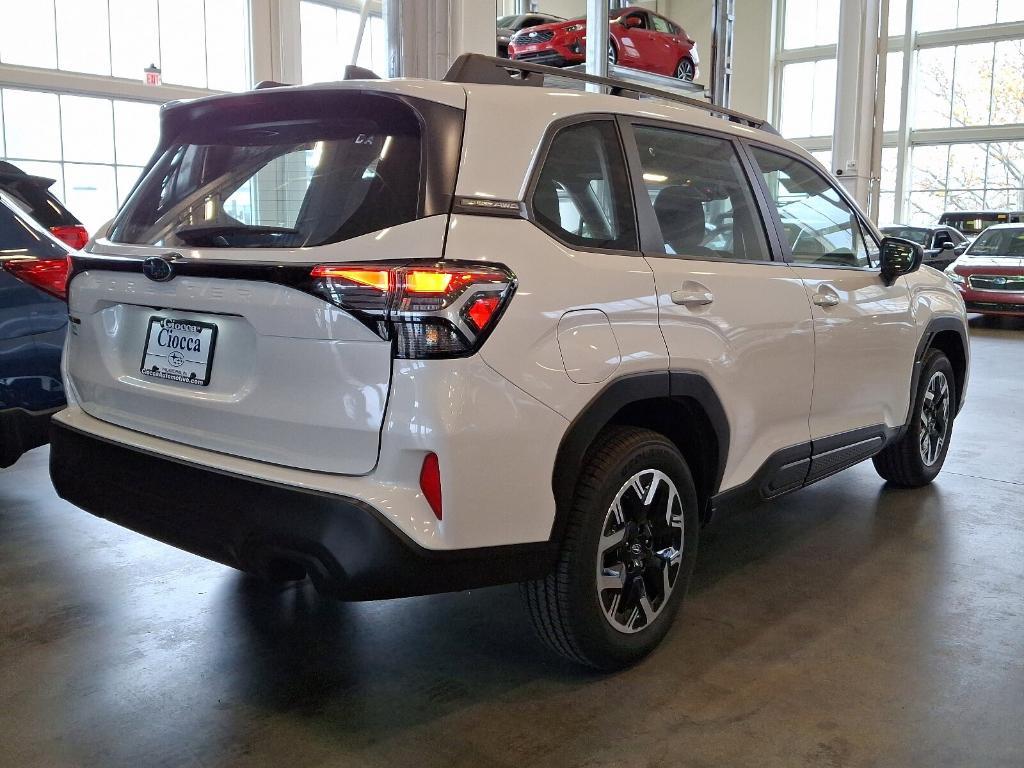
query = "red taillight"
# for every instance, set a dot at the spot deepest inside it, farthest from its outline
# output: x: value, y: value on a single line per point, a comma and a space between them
x: 430, y: 483
x: 440, y: 309
x: 74, y: 235
x: 50, y: 275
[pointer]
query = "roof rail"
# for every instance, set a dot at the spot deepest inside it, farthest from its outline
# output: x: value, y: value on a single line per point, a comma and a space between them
x: 352, y: 72
x: 490, y: 70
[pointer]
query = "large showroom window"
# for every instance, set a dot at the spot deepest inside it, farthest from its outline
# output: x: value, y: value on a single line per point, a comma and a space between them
x: 201, y: 43
x: 966, y: 62
x: 93, y: 148
x: 329, y: 34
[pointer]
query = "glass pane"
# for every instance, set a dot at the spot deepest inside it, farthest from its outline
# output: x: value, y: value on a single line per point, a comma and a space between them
x: 824, y: 157
x: 889, y: 159
x: 182, y: 42
x: 83, y: 44
x: 897, y: 17
x: 935, y: 14
x: 91, y: 193
x: 137, y: 130
x: 798, y: 32
x: 820, y: 227
x: 373, y: 53
x: 893, y: 90
x: 1011, y: 10
x: 582, y: 193
x: 966, y: 166
x: 975, y: 12
x: 32, y: 125
x: 227, y: 44
x: 811, y: 22
x: 127, y: 175
x: 925, y: 207
x: 929, y: 167
x: 321, y: 57
x: 965, y: 199
x: 1007, y: 96
x: 796, y: 108
x: 53, y: 171
x: 972, y: 86
x: 28, y: 35
x: 934, y: 88
x: 1006, y: 165
x: 3, y: 152
x: 824, y: 114
x: 700, y: 195
x: 886, y: 208
x: 88, y: 129
x: 134, y: 37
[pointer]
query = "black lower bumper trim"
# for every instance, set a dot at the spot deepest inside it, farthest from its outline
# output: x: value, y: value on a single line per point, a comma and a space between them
x: 21, y: 431
x: 345, y: 545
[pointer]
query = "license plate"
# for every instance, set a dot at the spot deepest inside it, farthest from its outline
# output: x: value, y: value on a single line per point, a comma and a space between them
x: 179, y: 350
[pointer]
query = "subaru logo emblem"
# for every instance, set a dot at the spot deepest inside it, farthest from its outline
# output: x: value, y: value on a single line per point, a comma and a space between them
x: 1000, y: 281
x: 158, y: 268
x: 533, y: 34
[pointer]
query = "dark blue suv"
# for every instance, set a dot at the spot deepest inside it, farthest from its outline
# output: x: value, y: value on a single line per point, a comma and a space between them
x: 33, y: 320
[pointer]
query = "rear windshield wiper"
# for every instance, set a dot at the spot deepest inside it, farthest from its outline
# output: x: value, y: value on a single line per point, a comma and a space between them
x: 222, y: 234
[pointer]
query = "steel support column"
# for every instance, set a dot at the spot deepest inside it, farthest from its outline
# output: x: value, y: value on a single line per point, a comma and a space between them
x: 722, y: 32
x: 597, y: 40
x: 856, y: 74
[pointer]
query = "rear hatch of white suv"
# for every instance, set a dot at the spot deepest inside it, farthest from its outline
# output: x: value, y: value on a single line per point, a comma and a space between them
x: 239, y: 300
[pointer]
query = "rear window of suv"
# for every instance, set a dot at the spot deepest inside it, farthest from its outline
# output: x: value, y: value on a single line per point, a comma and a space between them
x: 282, y: 172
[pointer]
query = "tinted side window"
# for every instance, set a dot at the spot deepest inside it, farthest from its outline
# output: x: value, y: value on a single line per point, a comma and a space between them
x: 700, y: 195
x: 582, y: 195
x: 660, y: 25
x: 821, y: 229
x: 941, y: 238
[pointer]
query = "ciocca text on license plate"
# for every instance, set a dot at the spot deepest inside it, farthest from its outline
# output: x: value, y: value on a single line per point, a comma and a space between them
x: 179, y: 350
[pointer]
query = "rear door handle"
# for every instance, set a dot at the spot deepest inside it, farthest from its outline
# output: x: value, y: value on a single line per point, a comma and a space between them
x: 693, y: 295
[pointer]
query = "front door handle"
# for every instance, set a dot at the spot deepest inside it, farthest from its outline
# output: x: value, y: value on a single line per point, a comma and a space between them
x: 693, y: 295
x: 825, y: 299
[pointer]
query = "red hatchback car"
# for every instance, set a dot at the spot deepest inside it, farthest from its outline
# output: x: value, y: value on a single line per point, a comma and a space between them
x: 990, y: 275
x: 640, y: 39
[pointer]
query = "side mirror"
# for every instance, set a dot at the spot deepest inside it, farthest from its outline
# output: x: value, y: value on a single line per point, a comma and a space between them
x: 949, y: 246
x: 899, y: 257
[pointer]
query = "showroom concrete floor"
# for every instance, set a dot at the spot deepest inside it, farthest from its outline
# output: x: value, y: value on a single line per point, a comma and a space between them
x: 847, y: 625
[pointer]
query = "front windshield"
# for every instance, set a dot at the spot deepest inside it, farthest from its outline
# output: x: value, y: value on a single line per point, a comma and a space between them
x: 507, y: 21
x: 1007, y: 243
x: 914, y: 234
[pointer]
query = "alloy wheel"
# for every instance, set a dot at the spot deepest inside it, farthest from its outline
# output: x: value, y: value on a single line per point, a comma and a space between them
x: 640, y: 553
x: 684, y: 71
x: 934, y: 418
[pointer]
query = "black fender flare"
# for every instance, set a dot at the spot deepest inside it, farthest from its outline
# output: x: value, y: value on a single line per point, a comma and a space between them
x: 934, y: 327
x: 615, y: 396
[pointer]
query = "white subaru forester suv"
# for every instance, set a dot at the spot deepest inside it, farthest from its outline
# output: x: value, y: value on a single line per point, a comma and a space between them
x: 410, y: 336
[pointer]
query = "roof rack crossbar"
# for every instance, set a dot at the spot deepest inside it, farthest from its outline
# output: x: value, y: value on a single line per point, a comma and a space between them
x: 490, y: 70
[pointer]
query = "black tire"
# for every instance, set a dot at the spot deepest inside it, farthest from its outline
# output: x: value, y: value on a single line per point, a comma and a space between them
x: 569, y: 612
x: 904, y: 463
x: 613, y: 54
x: 685, y: 70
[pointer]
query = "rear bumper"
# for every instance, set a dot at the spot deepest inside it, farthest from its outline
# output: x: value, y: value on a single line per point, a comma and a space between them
x: 346, y: 546
x: 21, y: 431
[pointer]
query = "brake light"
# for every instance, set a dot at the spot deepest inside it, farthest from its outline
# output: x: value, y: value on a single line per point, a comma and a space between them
x: 430, y: 483
x: 442, y: 309
x: 74, y: 235
x: 49, y: 275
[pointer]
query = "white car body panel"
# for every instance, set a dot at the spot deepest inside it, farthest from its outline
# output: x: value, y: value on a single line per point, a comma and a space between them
x: 309, y: 398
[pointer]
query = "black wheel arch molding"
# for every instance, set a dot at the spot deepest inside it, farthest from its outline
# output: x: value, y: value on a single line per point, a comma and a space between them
x: 939, y: 334
x: 689, y: 401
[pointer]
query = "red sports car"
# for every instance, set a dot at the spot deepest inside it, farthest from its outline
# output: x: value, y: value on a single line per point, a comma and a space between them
x: 639, y: 39
x: 990, y: 275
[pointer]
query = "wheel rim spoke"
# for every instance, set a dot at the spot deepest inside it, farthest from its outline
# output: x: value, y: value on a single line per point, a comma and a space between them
x: 934, y: 420
x: 640, y: 551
